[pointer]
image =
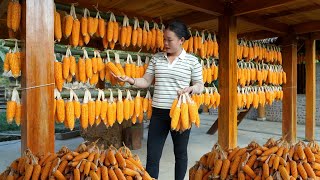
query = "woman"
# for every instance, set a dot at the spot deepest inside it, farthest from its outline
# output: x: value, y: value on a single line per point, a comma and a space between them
x: 173, y: 71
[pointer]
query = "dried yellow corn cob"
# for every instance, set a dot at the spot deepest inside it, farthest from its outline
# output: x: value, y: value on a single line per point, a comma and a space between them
x: 15, y: 15
x: 119, y: 107
x: 137, y: 104
x: 126, y: 107
x: 70, y: 112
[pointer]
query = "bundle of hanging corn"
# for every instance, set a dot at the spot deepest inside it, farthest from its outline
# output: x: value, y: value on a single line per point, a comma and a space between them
x: 273, y: 160
x: 87, y: 161
x: 12, y: 62
x: 108, y: 111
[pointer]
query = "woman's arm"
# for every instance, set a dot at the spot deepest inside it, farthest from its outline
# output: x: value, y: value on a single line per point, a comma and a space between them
x: 197, y: 87
x: 143, y: 82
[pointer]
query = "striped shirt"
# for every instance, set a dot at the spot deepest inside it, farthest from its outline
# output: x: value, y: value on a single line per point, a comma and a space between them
x: 169, y: 78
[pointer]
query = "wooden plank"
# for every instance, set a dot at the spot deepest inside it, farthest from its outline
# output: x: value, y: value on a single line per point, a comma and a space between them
x: 227, y: 122
x: 294, y: 11
x: 263, y: 34
x: 270, y: 25
x: 3, y: 7
x: 214, y: 128
x: 37, y: 127
x: 196, y: 17
x: 310, y: 89
x: 250, y: 6
x: 315, y: 1
x: 213, y: 7
x: 315, y: 36
x: 307, y: 27
x: 289, y: 102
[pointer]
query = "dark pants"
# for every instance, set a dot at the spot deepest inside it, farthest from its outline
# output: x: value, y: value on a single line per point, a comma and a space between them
x: 158, y: 131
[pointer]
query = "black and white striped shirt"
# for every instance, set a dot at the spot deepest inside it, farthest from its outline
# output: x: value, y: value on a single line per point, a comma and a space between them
x: 169, y: 78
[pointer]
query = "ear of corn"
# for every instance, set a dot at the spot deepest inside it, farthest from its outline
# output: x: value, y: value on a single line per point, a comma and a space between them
x: 66, y: 66
x: 84, y: 121
x: 101, y: 27
x: 70, y: 114
x: 60, y: 110
x: 75, y: 32
x: 91, y: 111
x: 68, y: 25
x: 137, y: 104
x: 115, y: 31
x: 110, y: 30
x: 120, y: 108
x: 15, y: 15
x: 82, y: 70
x: 57, y: 26
x: 9, y: 14
x: 11, y: 111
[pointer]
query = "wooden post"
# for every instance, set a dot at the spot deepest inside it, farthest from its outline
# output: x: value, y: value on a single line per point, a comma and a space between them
x: 289, y: 102
x: 227, y: 121
x: 37, y: 127
x: 261, y: 113
x: 310, y: 89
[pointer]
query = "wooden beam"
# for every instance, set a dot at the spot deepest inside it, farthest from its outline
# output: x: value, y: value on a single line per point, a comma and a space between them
x: 289, y: 102
x: 195, y: 17
x: 258, y: 35
x: 37, y: 127
x: 307, y: 27
x: 315, y: 36
x: 213, y: 7
x: 250, y: 6
x: 310, y: 89
x: 227, y: 121
x: 315, y: 2
x: 3, y: 7
x: 292, y: 11
x: 269, y: 25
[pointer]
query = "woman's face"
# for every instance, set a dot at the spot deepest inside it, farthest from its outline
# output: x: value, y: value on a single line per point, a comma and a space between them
x: 172, y: 43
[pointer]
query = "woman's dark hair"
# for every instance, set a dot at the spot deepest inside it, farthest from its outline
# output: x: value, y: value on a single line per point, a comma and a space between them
x: 179, y: 28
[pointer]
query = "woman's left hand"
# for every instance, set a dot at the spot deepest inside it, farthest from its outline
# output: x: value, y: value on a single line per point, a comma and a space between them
x: 185, y: 90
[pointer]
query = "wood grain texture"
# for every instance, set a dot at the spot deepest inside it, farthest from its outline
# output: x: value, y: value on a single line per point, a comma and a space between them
x: 250, y: 6
x: 310, y: 89
x: 289, y: 102
x: 227, y: 122
x: 307, y: 27
x: 37, y: 128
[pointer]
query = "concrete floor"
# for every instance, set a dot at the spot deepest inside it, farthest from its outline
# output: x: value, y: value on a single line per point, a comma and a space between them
x: 199, y: 144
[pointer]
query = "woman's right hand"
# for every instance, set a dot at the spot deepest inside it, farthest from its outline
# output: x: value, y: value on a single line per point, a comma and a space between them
x: 124, y: 78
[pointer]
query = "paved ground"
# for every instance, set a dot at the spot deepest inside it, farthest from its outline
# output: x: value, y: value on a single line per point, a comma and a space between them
x: 199, y: 144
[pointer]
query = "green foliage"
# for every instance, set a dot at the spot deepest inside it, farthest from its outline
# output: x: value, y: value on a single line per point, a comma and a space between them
x: 4, y: 126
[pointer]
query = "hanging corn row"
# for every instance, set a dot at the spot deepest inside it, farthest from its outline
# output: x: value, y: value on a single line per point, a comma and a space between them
x: 249, y: 73
x: 87, y: 161
x: 249, y: 50
x: 126, y: 35
x: 14, y: 108
x: 12, y: 62
x: 89, y: 70
x: 92, y: 112
x: 209, y: 72
x: 13, y: 16
x: 202, y: 46
x: 273, y: 160
x: 255, y: 95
